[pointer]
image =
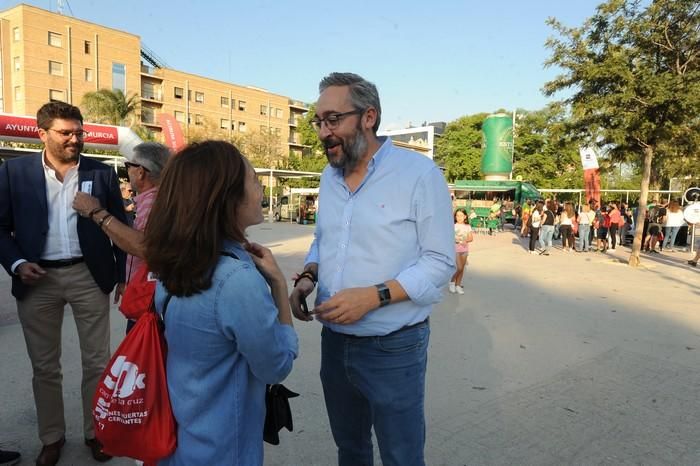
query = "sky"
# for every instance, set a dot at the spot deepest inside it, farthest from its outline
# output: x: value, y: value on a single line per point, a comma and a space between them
x: 431, y: 61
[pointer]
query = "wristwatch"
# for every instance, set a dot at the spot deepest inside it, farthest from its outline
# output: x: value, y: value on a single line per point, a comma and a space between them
x: 384, y: 294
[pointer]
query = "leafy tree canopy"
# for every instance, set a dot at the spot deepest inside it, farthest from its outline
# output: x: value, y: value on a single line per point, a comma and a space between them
x: 110, y: 107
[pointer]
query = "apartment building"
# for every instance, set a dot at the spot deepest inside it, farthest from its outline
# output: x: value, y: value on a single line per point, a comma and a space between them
x: 47, y: 56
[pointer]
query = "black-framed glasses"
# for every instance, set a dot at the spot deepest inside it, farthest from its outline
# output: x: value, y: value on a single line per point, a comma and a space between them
x: 129, y: 165
x: 67, y: 134
x: 333, y: 120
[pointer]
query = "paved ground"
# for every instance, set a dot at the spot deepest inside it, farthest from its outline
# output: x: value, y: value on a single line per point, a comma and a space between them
x: 571, y: 359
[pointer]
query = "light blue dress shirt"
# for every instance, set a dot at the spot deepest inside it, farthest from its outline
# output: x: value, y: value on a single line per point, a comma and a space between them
x: 224, y: 345
x: 396, y: 225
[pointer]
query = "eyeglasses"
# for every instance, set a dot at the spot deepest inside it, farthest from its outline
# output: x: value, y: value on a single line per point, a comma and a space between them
x: 66, y: 134
x: 129, y: 165
x: 333, y: 120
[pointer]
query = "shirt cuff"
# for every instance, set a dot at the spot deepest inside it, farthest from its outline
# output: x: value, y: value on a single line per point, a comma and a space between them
x: 418, y: 288
x: 16, y: 264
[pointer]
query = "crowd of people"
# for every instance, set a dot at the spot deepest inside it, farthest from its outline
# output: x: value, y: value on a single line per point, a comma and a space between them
x: 72, y: 233
x: 597, y: 227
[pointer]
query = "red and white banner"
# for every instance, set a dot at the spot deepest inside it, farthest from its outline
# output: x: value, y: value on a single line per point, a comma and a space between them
x: 23, y: 129
x: 172, y: 133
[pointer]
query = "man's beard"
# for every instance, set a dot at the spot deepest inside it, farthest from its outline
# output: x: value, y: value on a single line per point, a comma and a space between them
x: 60, y: 151
x: 352, y: 150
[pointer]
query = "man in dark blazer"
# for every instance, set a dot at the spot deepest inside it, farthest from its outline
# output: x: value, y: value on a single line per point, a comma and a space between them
x: 55, y: 257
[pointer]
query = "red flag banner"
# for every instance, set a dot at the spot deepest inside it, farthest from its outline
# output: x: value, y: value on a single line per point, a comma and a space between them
x: 172, y: 133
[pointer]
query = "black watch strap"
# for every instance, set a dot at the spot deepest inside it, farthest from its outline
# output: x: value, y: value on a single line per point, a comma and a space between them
x: 384, y: 294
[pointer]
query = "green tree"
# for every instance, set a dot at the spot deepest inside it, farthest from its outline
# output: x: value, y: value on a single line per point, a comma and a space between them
x: 110, y: 107
x: 459, y: 148
x: 544, y: 152
x: 635, y: 77
x: 262, y: 148
x: 313, y: 157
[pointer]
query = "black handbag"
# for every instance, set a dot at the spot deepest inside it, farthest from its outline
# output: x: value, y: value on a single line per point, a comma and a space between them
x: 278, y: 413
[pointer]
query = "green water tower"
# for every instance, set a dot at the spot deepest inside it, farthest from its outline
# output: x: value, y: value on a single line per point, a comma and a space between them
x: 497, y: 147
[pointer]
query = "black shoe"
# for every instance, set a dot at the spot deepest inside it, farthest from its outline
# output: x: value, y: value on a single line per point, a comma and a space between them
x: 693, y: 263
x: 9, y: 458
x: 96, y: 450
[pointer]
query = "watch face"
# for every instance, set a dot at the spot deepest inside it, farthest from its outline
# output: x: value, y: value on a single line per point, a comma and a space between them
x: 384, y: 294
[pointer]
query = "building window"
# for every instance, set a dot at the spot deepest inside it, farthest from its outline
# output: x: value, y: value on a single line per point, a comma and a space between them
x: 88, y: 74
x: 199, y: 97
x: 56, y: 96
x: 241, y: 105
x: 241, y: 127
x: 119, y: 76
x: 18, y: 93
x: 17, y: 63
x: 148, y: 115
x: 225, y: 124
x: 179, y: 92
x: 198, y: 119
x: 224, y: 102
x: 15, y: 34
x: 263, y: 129
x: 263, y: 109
x: 55, y: 68
x: 55, y: 39
x: 233, y: 125
x: 279, y: 113
x: 87, y: 47
x: 180, y: 116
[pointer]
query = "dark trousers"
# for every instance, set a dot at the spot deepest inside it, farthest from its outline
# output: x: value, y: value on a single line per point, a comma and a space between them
x: 613, y: 234
x: 567, y: 236
x: 534, y: 234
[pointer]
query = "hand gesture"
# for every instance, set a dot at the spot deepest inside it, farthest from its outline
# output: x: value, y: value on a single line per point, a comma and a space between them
x: 265, y: 262
x: 348, y: 305
x: 83, y: 203
x: 29, y: 272
x: 299, y: 294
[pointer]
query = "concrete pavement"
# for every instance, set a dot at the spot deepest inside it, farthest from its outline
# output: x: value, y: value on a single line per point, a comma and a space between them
x: 570, y: 359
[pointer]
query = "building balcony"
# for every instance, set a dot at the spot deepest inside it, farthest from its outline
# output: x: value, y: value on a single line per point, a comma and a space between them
x: 295, y: 142
x: 151, y: 72
x: 151, y: 124
x: 293, y: 121
x: 155, y: 97
x: 298, y: 105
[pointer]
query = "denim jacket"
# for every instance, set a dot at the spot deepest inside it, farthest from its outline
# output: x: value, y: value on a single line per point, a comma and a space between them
x: 224, y: 345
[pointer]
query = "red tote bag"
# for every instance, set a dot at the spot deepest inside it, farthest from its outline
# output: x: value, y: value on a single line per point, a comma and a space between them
x: 131, y: 407
x: 138, y: 295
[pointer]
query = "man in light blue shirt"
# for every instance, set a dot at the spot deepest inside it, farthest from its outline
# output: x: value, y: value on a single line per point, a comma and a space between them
x: 383, y: 250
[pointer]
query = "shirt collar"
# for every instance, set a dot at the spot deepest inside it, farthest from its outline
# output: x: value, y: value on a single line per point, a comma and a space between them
x: 48, y: 168
x: 376, y: 159
x: 141, y: 196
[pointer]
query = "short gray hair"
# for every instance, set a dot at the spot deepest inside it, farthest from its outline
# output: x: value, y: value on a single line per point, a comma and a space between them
x: 363, y: 94
x: 152, y: 156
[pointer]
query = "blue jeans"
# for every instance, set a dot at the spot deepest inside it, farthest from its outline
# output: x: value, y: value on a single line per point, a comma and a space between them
x: 670, y: 234
x: 583, y: 239
x: 546, y: 233
x: 380, y: 382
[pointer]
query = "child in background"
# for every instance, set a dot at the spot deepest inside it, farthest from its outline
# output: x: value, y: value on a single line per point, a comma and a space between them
x: 463, y: 236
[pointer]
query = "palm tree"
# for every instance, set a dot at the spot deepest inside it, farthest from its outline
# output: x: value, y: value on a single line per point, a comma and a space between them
x: 111, y: 107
